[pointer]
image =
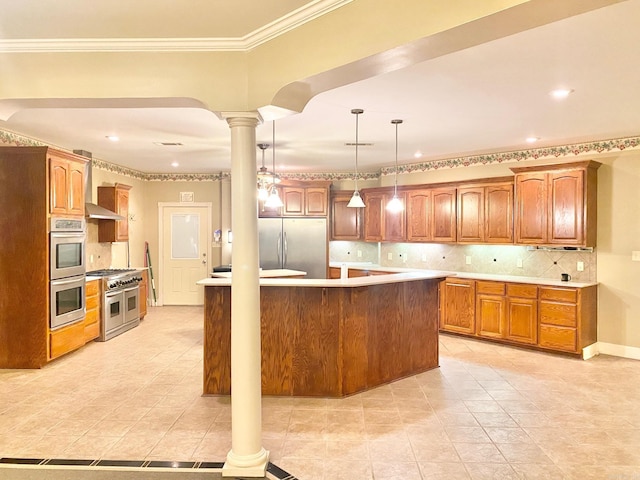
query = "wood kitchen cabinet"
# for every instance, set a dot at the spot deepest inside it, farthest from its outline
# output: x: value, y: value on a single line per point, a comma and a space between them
x: 381, y: 225
x: 299, y: 199
x: 458, y: 305
x: 66, y: 184
x: 116, y: 199
x: 556, y: 205
x: 443, y: 215
x: 345, y: 221
x: 93, y: 306
x: 144, y: 292
x: 26, y: 203
x: 418, y: 215
x: 485, y: 213
x: 522, y: 313
x: 491, y: 309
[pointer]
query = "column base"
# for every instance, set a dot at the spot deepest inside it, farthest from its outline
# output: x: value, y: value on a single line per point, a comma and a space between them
x: 254, y: 465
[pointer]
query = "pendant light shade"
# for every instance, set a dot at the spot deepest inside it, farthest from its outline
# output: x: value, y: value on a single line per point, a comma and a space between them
x: 273, y: 200
x: 356, y: 200
x: 395, y: 204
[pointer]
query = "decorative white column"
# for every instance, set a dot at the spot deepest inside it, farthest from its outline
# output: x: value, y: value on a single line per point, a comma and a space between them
x: 247, y: 457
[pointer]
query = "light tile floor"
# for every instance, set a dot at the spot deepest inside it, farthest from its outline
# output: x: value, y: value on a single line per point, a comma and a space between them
x: 489, y: 411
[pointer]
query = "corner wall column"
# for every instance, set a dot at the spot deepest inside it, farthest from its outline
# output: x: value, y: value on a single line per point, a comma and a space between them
x: 247, y: 457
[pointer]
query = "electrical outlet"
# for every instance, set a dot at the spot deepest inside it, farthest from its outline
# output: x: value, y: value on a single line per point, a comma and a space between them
x: 580, y: 267
x: 519, y: 263
x: 467, y: 259
x: 404, y: 257
x: 424, y: 258
x: 390, y: 256
x: 359, y: 253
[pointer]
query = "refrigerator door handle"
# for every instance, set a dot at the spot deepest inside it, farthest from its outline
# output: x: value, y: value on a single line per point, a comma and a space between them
x: 279, y: 247
x: 286, y: 250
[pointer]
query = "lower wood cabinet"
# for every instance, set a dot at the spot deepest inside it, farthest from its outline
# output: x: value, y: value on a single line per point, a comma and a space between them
x: 92, y: 318
x: 66, y: 339
x: 561, y: 319
x: 144, y: 292
x: 458, y: 305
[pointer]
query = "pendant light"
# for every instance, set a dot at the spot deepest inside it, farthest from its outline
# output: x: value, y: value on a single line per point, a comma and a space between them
x: 264, y: 176
x: 395, y: 204
x: 274, y: 199
x: 356, y: 200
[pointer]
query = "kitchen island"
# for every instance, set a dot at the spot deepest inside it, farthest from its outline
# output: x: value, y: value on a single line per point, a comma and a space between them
x: 329, y: 337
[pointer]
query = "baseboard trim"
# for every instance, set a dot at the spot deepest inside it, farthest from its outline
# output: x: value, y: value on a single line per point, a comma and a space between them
x: 613, y: 349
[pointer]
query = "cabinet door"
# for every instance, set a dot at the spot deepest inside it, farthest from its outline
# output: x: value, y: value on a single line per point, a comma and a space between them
x: 59, y: 186
x: 470, y: 217
x: 418, y: 215
x: 345, y: 221
x: 443, y: 215
x: 522, y: 320
x: 76, y: 188
x: 293, y: 199
x: 315, y: 201
x: 394, y: 222
x: 122, y: 226
x: 498, y: 218
x: 374, y: 217
x: 566, y: 209
x: 491, y: 315
x: 458, y: 305
x: 531, y: 208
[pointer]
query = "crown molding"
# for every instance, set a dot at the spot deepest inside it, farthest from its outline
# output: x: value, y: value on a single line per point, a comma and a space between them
x: 292, y: 20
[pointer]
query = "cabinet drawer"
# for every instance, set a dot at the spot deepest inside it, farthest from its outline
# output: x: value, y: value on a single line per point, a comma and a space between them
x: 91, y: 317
x: 91, y: 332
x: 561, y: 338
x: 559, y: 294
x: 91, y: 303
x: 491, y: 288
x: 521, y: 290
x: 563, y: 314
x: 91, y: 288
x: 66, y: 339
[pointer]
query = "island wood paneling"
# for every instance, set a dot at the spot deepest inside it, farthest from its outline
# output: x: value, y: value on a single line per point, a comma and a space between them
x: 329, y: 342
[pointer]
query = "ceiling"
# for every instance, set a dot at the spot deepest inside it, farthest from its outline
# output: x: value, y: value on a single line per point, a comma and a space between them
x: 487, y: 98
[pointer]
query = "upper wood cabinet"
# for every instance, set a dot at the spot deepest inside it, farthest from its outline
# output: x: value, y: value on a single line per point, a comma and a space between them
x: 66, y: 185
x: 302, y: 199
x: 556, y: 205
x: 116, y: 199
x: 345, y: 221
x: 381, y: 225
x: 418, y: 215
x: 443, y: 215
x: 485, y: 213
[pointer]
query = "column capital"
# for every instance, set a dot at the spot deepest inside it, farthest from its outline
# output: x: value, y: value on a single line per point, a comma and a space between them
x: 248, y: 119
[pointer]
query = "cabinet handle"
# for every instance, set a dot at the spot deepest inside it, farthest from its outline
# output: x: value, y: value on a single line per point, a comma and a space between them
x: 458, y: 285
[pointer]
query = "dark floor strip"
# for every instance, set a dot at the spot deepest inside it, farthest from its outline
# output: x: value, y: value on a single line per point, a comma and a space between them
x: 273, y: 470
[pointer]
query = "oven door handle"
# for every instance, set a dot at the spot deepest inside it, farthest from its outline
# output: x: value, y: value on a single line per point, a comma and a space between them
x: 65, y: 282
x: 130, y: 289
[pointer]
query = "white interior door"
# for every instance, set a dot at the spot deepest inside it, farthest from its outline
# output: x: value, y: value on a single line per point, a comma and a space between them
x: 185, y: 253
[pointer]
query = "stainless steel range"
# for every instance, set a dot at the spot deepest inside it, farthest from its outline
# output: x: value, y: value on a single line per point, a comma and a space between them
x: 120, y: 301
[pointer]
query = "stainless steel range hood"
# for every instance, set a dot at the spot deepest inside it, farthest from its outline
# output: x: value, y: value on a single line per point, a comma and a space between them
x: 91, y: 210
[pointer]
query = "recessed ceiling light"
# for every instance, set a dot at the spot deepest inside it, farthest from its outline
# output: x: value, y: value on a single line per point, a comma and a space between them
x: 113, y: 138
x: 560, y: 93
x: 418, y: 154
x: 532, y: 139
x: 175, y: 164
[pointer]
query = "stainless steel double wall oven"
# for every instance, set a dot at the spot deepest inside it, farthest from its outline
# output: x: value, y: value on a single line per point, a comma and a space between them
x: 67, y: 271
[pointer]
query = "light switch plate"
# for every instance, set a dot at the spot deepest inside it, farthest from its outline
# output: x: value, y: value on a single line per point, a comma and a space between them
x: 580, y: 267
x: 467, y: 259
x: 519, y: 263
x: 635, y: 256
x: 424, y: 258
x: 390, y: 256
x: 359, y: 253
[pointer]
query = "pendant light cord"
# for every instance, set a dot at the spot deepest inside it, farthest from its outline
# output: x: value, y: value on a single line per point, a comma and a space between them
x: 395, y: 188
x: 273, y: 151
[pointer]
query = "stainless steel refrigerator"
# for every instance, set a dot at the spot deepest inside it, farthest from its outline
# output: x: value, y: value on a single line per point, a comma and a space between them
x: 294, y: 243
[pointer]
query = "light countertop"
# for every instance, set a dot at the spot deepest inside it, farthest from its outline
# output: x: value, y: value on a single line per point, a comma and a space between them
x: 336, y: 282
x: 469, y: 275
x: 275, y: 273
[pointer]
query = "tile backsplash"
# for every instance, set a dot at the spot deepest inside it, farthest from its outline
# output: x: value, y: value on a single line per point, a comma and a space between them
x: 492, y: 259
